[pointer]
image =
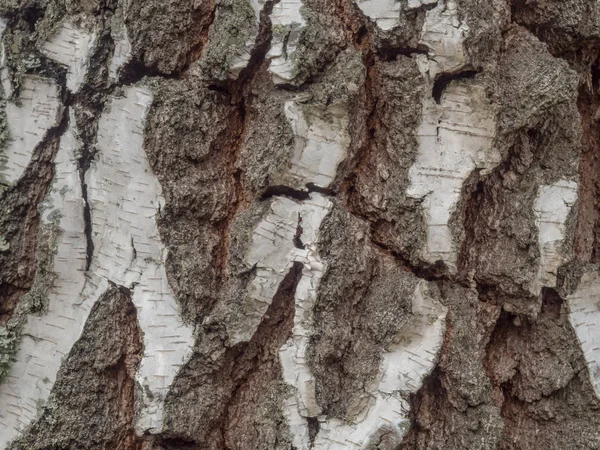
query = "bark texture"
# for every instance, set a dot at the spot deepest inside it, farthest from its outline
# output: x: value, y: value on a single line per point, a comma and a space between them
x: 300, y: 224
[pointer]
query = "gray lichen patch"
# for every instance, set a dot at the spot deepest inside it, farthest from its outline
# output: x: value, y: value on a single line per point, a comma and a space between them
x: 267, y: 144
x: 340, y: 84
x: 45, y: 275
x: 241, y: 233
x: 42, y: 16
x: 307, y: 37
x: 189, y: 126
x: 4, y: 136
x: 230, y: 39
x: 542, y: 144
x: 531, y: 81
x: 9, y: 342
x: 379, y: 179
x: 341, y: 361
x: 166, y: 36
x: 318, y: 43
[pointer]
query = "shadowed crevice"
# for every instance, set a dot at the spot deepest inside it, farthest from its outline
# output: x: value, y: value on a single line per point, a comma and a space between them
x: 442, y: 80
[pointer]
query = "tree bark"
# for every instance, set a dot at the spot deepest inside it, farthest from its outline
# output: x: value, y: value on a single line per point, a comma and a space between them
x: 299, y: 224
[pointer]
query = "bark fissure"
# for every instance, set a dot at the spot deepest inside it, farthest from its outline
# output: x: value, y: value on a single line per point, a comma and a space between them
x: 239, y: 93
x: 442, y: 81
x: 587, y: 237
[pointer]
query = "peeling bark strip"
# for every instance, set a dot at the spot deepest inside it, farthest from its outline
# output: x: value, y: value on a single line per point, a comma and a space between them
x: 552, y: 207
x: 71, y: 46
x: 299, y: 224
x: 321, y: 140
x: 125, y: 197
x: 288, y: 21
x: 49, y: 338
x: 273, y: 252
x: 584, y: 316
x: 27, y: 122
x: 455, y: 138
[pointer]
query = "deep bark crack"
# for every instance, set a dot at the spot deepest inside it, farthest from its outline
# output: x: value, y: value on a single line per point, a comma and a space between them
x: 238, y: 90
x: 298, y: 236
x: 442, y: 80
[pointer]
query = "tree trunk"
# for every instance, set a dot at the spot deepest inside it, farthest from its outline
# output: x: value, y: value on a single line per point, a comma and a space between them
x: 300, y: 224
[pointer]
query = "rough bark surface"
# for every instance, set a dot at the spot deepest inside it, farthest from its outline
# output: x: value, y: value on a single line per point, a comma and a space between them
x: 300, y: 224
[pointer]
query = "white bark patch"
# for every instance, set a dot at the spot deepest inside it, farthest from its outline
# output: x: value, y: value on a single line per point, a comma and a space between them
x: 38, y: 110
x: 584, y: 315
x: 71, y: 46
x: 402, y: 372
x: 122, y: 52
x: 125, y: 197
x: 292, y: 354
x: 4, y: 73
x: 385, y: 13
x: 48, y: 338
x: 413, y: 4
x: 552, y: 207
x: 321, y: 141
x: 287, y: 23
x: 443, y: 33
x: 272, y: 252
x: 455, y: 138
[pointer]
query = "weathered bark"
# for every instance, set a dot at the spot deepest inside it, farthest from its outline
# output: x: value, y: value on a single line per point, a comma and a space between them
x: 299, y: 224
